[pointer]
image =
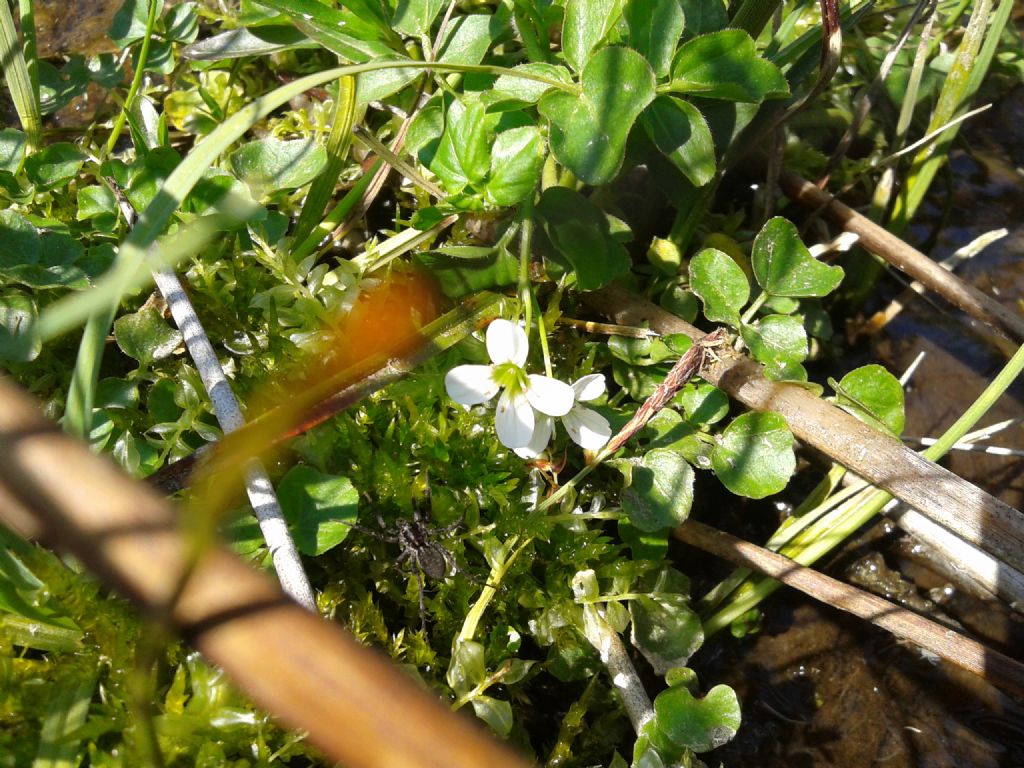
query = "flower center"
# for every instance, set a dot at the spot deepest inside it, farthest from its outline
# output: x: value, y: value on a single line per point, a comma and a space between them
x: 510, y: 376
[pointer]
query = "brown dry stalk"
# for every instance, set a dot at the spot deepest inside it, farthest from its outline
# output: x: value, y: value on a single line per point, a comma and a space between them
x: 998, y: 669
x: 949, y: 500
x: 686, y: 367
x: 355, y: 705
x: 907, y: 259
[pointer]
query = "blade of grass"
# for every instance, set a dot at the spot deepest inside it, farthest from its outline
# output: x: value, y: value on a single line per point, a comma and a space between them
x: 826, y: 534
x: 972, y: 60
x: 338, y: 143
x: 19, y: 76
x: 65, y: 314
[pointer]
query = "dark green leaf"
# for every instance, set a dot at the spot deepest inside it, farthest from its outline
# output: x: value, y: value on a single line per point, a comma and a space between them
x: 578, y: 234
x: 703, y: 16
x: 468, y: 38
x: 362, y: 21
x: 654, y: 30
x: 754, y: 455
x: 697, y: 724
x: 516, y: 160
x: 682, y: 135
x: 255, y: 41
x: 181, y: 23
x: 874, y: 396
x: 784, y: 267
x: 415, y: 17
x: 459, y: 276
x: 659, y: 490
x: 146, y: 336
x: 12, y: 149
x: 586, y: 24
x: 129, y: 23
x: 645, y: 545
x: 116, y: 394
x: 99, y: 204
x: 725, y: 65
x: 665, y: 630
x: 495, y: 712
x: 318, y: 508
x: 589, y: 131
x: 776, y: 338
x: 703, y: 403
x: 19, y: 340
x: 511, y: 87
x: 680, y: 301
x: 720, y: 283
x: 463, y: 155
x: 55, y: 166
x: 271, y: 164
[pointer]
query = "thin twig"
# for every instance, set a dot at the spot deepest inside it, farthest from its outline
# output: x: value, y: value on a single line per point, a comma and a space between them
x: 287, y: 562
x: 998, y: 669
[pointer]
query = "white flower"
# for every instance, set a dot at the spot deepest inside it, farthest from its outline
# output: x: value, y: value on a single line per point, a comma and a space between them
x: 526, y: 400
x: 587, y: 428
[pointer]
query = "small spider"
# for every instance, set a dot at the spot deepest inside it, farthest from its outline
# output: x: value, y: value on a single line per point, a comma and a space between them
x: 419, y: 547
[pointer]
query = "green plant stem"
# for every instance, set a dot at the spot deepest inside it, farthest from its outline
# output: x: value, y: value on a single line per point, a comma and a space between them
x: 753, y: 15
x: 19, y: 78
x: 821, y: 538
x: 490, y: 589
x: 140, y: 69
x: 525, y: 253
x: 81, y: 393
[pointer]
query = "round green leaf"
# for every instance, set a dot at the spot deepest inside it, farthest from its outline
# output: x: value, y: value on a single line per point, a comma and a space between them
x: 19, y: 340
x: 146, y: 336
x: 589, y: 130
x: 720, y: 283
x: 776, y: 338
x: 54, y: 166
x: 754, y: 455
x: 698, y: 724
x: 319, y: 508
x: 784, y: 267
x: 703, y: 403
x: 659, y: 490
x: 271, y: 164
x: 874, y: 396
x: 665, y: 630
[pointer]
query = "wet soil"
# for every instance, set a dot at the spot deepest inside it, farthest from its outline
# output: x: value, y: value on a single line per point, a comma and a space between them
x: 820, y: 688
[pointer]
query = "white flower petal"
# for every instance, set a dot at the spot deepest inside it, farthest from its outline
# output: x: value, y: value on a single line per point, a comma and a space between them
x: 541, y: 437
x: 587, y: 428
x: 506, y: 342
x: 470, y: 384
x: 550, y: 396
x: 514, y: 420
x: 589, y: 387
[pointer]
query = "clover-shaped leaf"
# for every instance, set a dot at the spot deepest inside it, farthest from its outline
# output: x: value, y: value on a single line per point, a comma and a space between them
x: 589, y: 130
x: 146, y: 336
x: 720, y: 283
x: 516, y: 159
x: 697, y: 724
x: 874, y: 396
x: 318, y: 508
x: 754, y: 455
x: 586, y: 24
x: 784, y: 267
x: 725, y: 65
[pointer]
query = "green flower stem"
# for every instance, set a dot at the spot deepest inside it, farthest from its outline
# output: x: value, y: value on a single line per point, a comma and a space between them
x: 819, y: 539
x: 140, y: 69
x: 525, y: 252
x: 543, y: 334
x: 494, y: 579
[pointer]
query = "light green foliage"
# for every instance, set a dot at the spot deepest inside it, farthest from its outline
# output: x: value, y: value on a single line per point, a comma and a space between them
x: 874, y: 396
x: 318, y: 508
x: 551, y: 149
